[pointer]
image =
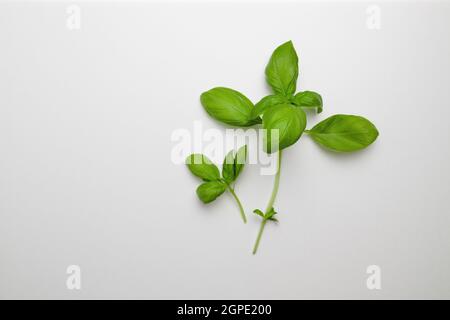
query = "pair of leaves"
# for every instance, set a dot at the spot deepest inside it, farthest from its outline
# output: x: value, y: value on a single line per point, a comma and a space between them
x: 305, y: 99
x: 269, y: 215
x: 233, y: 164
x: 214, y: 185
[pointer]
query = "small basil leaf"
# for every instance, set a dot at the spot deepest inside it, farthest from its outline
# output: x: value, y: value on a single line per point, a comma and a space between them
x: 269, y: 215
x: 266, y: 103
x: 259, y: 213
x: 228, y: 167
x: 344, y: 133
x: 209, y: 191
x: 202, y: 167
x: 239, y: 161
x: 233, y: 164
x: 282, y: 69
x: 309, y: 99
x: 228, y: 106
x: 290, y: 123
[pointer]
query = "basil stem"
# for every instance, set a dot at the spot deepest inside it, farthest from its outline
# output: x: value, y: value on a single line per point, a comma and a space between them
x: 276, y: 184
x: 241, y: 209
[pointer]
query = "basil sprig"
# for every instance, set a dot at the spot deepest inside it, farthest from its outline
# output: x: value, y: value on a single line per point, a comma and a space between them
x: 214, y: 184
x: 281, y: 114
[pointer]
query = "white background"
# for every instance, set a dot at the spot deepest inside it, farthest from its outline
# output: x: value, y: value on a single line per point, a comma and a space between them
x: 86, y: 176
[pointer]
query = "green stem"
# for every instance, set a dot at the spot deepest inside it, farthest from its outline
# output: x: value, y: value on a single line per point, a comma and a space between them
x: 261, y: 229
x: 241, y: 209
x: 276, y: 184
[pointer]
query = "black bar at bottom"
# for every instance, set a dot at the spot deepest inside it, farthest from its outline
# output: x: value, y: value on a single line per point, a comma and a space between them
x: 229, y: 309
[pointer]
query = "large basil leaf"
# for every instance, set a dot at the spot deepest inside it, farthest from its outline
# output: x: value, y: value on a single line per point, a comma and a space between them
x: 344, y: 133
x: 209, y: 191
x: 282, y: 69
x: 309, y: 99
x: 202, y: 167
x: 228, y: 106
x: 233, y: 164
x: 290, y: 123
x: 266, y: 103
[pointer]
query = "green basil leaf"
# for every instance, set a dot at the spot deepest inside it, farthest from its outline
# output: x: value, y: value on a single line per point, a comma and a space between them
x: 239, y: 161
x: 202, y: 167
x: 269, y: 215
x: 228, y: 106
x: 282, y: 69
x: 233, y: 164
x: 290, y: 123
x: 344, y: 133
x: 309, y: 99
x: 266, y: 103
x: 258, y: 212
x: 209, y: 191
x: 228, y: 167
